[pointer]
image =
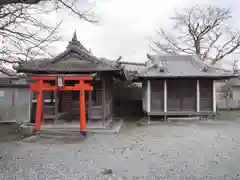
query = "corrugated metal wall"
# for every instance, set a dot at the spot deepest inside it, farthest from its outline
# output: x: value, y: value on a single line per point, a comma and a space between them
x: 14, y: 104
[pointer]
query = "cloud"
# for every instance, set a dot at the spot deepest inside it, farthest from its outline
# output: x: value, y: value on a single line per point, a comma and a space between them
x: 126, y: 27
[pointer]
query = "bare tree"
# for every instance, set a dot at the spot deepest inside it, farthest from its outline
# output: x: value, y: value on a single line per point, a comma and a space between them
x: 23, y: 35
x: 202, y: 31
x: 71, y: 5
x: 226, y: 89
x: 5, y: 2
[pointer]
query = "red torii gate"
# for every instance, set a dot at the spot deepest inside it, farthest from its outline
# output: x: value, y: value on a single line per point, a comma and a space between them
x: 40, y: 86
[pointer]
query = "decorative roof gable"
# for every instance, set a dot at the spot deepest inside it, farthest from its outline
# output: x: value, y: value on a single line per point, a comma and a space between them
x: 76, y: 43
x: 76, y: 58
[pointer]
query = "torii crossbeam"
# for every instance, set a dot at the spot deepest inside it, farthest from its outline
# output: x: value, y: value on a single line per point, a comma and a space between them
x: 40, y: 86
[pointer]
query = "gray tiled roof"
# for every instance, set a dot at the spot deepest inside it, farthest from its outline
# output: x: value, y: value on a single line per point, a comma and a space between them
x: 132, y: 66
x: 76, y: 51
x: 179, y: 66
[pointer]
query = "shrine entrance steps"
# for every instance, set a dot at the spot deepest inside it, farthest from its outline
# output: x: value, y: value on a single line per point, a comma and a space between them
x: 111, y: 126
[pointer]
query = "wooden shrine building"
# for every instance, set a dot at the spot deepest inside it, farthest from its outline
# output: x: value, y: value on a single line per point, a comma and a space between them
x: 73, y: 71
x: 179, y: 85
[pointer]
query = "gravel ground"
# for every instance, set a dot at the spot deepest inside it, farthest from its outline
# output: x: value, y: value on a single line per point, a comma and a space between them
x: 164, y: 151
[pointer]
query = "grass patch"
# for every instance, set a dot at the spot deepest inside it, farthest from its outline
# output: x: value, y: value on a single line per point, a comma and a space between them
x: 228, y: 110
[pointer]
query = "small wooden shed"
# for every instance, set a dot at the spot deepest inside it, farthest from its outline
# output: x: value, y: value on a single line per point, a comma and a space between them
x: 180, y: 85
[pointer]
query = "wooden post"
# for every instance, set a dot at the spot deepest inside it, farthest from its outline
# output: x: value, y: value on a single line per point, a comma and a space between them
x: 82, y: 110
x: 165, y: 96
x: 43, y: 109
x: 111, y: 98
x: 89, y: 106
x: 214, y: 97
x: 104, y: 98
x: 148, y: 96
x: 165, y: 99
x: 52, y: 95
x: 56, y: 105
x: 39, y: 109
x: 198, y: 96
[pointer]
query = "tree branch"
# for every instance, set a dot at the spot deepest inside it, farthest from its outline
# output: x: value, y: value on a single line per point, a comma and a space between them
x: 75, y: 11
x: 202, y: 32
x: 24, y: 36
x: 71, y: 7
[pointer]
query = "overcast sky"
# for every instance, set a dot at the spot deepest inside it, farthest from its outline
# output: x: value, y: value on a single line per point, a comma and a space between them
x: 127, y: 27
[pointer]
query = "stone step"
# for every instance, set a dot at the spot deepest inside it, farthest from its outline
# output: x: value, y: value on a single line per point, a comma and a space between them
x: 50, y: 133
x: 115, y: 127
x: 144, y: 121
